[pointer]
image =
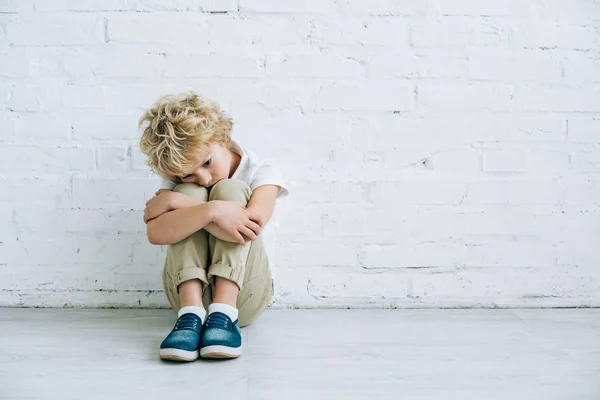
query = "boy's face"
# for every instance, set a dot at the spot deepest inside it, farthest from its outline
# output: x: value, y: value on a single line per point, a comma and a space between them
x: 214, y: 165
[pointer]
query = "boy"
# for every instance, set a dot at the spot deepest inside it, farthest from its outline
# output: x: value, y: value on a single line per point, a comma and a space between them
x: 213, y: 211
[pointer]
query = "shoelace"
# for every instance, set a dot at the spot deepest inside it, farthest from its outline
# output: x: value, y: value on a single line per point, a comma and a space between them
x: 217, y: 320
x: 187, y: 321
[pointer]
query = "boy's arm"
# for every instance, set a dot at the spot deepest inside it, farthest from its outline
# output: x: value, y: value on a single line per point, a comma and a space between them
x: 262, y: 203
x: 176, y: 225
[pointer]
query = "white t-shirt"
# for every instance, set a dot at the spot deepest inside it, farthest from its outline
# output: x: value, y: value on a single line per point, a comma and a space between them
x: 256, y: 173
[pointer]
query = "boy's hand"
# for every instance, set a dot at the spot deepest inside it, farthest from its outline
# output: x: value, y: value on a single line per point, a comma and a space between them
x: 159, y: 204
x: 234, y: 219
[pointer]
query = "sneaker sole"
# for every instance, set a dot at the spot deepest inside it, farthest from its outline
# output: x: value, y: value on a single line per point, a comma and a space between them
x: 178, y: 354
x: 220, y: 352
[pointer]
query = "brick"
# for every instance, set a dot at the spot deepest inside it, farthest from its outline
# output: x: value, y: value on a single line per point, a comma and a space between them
x: 314, y: 66
x: 155, y: 29
x: 355, y: 31
x: 554, y: 35
x: 385, y: 7
x: 55, y: 126
x: 513, y: 192
x: 89, y: 125
x: 56, y: 30
x: 230, y: 32
x: 288, y: 6
x: 17, y: 160
x: 504, y: 160
x: 558, y: 99
x: 509, y: 254
x: 78, y: 5
x: 137, y: 66
x: 486, y: 7
x: 412, y: 255
x: 584, y: 130
x: 370, y: 96
x: 464, y: 97
x: 517, y: 67
x: 7, y: 130
x: 83, y: 97
x: 587, y: 159
x: 348, y: 284
x: 111, y: 193
x: 579, y: 69
x: 55, y: 190
x: 420, y: 191
x: 312, y: 254
x: 35, y: 98
x: 213, y: 65
x: 14, y: 65
x: 455, y: 33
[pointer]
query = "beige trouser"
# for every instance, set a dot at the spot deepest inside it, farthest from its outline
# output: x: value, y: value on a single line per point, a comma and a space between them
x: 203, y: 256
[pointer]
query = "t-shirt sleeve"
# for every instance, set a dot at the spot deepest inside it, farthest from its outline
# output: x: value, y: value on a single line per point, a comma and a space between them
x: 166, y: 184
x: 267, y: 173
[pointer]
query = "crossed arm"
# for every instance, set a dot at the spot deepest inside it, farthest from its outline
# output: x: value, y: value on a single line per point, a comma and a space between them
x: 172, y: 216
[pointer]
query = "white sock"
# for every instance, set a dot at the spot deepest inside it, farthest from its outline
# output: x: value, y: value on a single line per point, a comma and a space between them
x: 226, y: 309
x: 199, y: 311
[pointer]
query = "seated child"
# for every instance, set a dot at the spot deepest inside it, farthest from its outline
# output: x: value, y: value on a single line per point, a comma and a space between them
x: 213, y: 211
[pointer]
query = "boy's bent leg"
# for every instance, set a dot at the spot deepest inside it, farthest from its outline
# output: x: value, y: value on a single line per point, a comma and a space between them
x: 246, y: 266
x: 187, y: 259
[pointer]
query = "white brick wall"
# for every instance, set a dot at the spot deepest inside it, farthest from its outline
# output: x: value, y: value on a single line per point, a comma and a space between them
x: 440, y: 153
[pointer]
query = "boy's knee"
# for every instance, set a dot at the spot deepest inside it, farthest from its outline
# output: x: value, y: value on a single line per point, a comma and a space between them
x: 230, y: 189
x: 192, y: 190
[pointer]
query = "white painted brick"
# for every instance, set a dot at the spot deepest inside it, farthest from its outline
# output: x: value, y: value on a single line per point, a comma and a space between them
x: 48, y: 222
x: 353, y: 284
x: 113, y: 160
x: 288, y: 6
x: 455, y: 32
x: 55, y: 126
x: 314, y: 66
x: 457, y: 161
x: 101, y: 126
x: 72, y: 251
x: 27, y: 160
x: 580, y: 69
x: 513, y: 192
x: 564, y: 10
x: 420, y: 191
x: 83, y: 97
x: 127, y: 65
x: 372, y: 95
x: 145, y: 253
x: 559, y: 99
x: 503, y: 286
x: 10, y: 6
x: 504, y: 160
x: 7, y: 130
x: 582, y: 254
x: 35, y: 98
x: 523, y: 253
x: 555, y: 35
x: 213, y: 65
x: 232, y: 32
x: 584, y: 130
x: 412, y: 255
x: 353, y: 31
x: 9, y: 224
x: 150, y: 28
x: 184, y: 5
x: 48, y: 190
x: 584, y: 191
x: 464, y: 97
x: 61, y: 30
x: 586, y: 160
x: 14, y: 65
x: 486, y: 7
x: 384, y: 66
x: 441, y: 66
x: 79, y: 5
x: 113, y: 193
x: 518, y: 67
x: 311, y: 254
x: 385, y: 7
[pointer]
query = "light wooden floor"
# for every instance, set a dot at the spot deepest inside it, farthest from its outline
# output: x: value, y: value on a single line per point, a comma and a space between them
x: 308, y: 354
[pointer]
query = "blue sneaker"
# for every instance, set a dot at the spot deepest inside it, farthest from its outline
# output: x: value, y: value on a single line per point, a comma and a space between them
x: 221, y: 338
x: 183, y: 341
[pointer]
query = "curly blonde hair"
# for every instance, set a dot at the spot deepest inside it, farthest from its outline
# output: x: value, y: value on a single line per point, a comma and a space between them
x: 178, y: 126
